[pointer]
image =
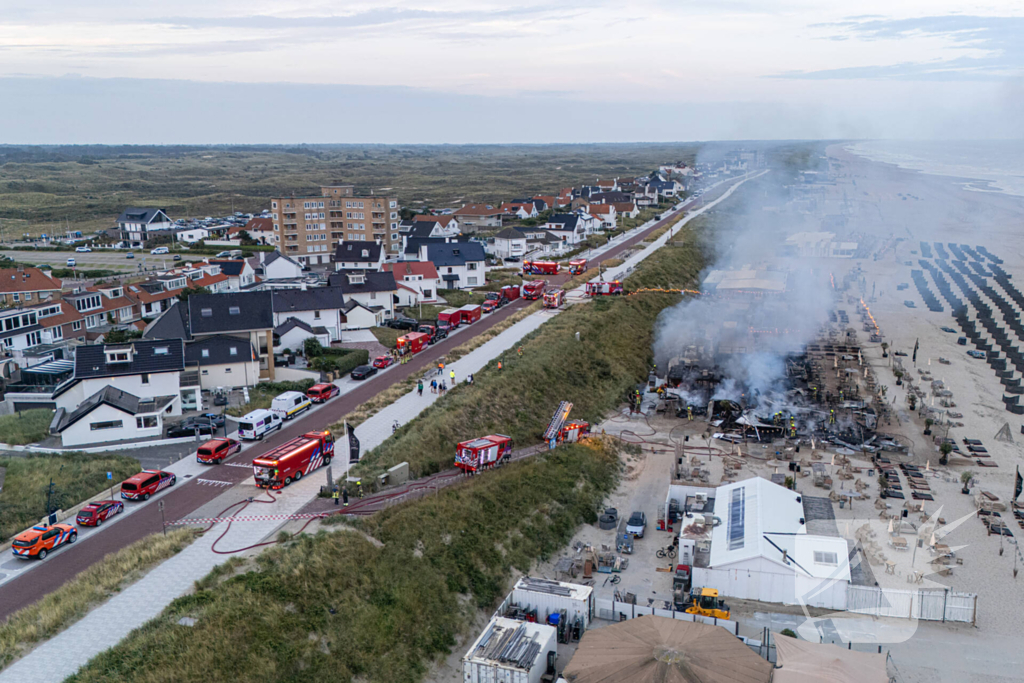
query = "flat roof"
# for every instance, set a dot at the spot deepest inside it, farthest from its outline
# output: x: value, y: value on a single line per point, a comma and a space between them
x: 571, y: 590
x: 499, y: 635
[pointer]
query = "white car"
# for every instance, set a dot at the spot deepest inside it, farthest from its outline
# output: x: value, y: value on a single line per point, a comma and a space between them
x: 83, y: 250
x: 160, y: 250
x: 71, y: 263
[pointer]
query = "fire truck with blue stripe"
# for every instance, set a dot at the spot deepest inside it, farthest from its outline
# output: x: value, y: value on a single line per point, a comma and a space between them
x: 293, y: 460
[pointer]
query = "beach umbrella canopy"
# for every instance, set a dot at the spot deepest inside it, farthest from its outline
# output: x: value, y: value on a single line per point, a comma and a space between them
x: 800, y: 661
x: 653, y: 649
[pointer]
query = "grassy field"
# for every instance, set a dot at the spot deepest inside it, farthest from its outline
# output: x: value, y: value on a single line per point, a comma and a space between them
x: 70, y: 602
x: 90, y: 185
x: 595, y: 373
x: 387, y: 336
x: 25, y: 427
x: 338, y: 607
x: 76, y: 477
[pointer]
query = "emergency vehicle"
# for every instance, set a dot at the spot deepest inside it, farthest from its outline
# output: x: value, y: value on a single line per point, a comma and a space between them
x: 603, y: 288
x: 40, y: 540
x: 411, y: 343
x: 510, y: 292
x: 470, y: 313
x: 451, y: 317
x: 94, y: 514
x: 215, y: 451
x: 534, y: 289
x: 146, y: 483
x: 318, y: 393
x: 554, y: 299
x: 292, y: 460
x: 578, y: 266
x: 289, y: 404
x: 489, y: 305
x: 560, y: 430
x: 540, y: 267
x: 483, y: 453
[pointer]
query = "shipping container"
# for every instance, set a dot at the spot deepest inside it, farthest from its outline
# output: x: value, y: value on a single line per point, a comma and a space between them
x: 509, y: 651
x: 549, y: 597
x: 470, y: 313
x: 510, y: 292
x: 413, y: 342
x: 534, y: 289
x: 450, y: 316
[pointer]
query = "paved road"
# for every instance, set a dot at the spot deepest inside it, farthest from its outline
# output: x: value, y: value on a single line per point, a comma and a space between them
x: 95, y: 260
x: 193, y: 492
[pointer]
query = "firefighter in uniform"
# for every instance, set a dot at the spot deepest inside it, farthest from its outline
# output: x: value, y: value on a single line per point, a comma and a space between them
x: 689, y: 413
x: 832, y: 416
x: 335, y: 495
x: 344, y: 496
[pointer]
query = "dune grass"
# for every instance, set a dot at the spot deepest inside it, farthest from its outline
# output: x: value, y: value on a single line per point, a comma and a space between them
x: 338, y: 607
x: 76, y: 477
x: 72, y: 600
x: 27, y: 426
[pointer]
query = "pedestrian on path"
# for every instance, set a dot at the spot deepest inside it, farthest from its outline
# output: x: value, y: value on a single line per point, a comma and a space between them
x: 440, y: 368
x: 452, y: 375
x: 419, y: 388
x: 344, y: 496
x: 433, y: 386
x: 442, y: 388
x: 335, y: 495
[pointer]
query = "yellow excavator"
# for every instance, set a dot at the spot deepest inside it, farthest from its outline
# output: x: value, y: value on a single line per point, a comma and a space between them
x: 706, y: 603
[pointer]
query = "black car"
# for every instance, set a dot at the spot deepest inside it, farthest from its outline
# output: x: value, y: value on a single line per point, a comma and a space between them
x: 189, y: 427
x: 363, y: 371
x: 950, y: 330
x: 402, y: 324
x: 214, y: 418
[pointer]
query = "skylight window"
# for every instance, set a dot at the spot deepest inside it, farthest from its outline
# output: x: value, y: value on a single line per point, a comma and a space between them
x: 234, y: 310
x: 822, y: 557
x: 207, y: 312
x: 737, y: 513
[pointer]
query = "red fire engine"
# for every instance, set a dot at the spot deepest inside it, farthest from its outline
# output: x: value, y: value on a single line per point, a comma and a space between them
x: 578, y: 266
x: 470, y: 313
x: 510, y: 292
x: 604, y: 288
x: 450, y: 316
x: 561, y: 431
x: 554, y: 299
x: 483, y: 453
x: 413, y: 342
x: 290, y: 461
x: 540, y: 267
x: 534, y: 289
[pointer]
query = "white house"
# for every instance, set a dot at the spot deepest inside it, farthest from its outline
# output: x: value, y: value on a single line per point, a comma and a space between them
x: 293, y: 333
x: 239, y: 271
x: 143, y: 368
x: 223, y: 361
x: 275, y: 266
x: 521, y: 211
x: 568, y: 227
x: 113, y: 415
x: 443, y: 226
x: 604, y: 215
x: 360, y: 317
x: 417, y: 281
x: 375, y: 291
x: 460, y: 265
x: 510, y: 243
x: 315, y: 307
x: 359, y: 255
x: 136, y: 225
x: 192, y: 235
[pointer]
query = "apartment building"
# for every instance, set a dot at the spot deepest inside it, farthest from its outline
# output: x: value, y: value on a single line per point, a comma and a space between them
x: 310, y: 228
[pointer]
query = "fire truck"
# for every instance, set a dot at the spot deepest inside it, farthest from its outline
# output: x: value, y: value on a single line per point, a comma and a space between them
x: 292, y: 460
x: 483, y: 453
x: 540, y: 267
x: 578, y: 266
x: 560, y: 430
x: 411, y: 343
x: 534, y: 289
x: 510, y: 292
x: 554, y: 299
x: 603, y: 288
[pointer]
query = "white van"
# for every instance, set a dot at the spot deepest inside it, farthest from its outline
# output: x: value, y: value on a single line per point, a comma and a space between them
x: 289, y: 404
x: 258, y: 423
x: 160, y: 250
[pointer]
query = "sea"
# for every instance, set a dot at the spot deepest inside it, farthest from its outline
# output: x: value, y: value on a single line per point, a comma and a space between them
x: 986, y: 166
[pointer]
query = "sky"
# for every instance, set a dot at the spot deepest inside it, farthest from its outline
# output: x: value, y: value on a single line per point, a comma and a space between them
x: 455, y: 71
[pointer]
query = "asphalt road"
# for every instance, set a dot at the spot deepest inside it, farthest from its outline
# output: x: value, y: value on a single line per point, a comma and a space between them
x: 96, y: 260
x: 188, y: 495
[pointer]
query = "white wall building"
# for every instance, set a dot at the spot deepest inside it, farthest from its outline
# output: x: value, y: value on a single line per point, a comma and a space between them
x: 114, y: 415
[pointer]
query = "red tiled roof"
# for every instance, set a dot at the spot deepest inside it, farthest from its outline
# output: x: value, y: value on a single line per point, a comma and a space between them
x: 443, y: 220
x: 27, y: 280
x: 68, y: 314
x: 479, y: 210
x: 600, y: 208
x: 260, y: 224
x: 425, y: 269
x: 623, y: 207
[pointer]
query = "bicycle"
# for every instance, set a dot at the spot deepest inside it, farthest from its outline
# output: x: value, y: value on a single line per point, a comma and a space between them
x: 669, y: 552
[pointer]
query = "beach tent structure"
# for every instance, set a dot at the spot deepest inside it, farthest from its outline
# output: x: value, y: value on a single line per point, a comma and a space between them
x: 653, y: 649
x: 800, y: 661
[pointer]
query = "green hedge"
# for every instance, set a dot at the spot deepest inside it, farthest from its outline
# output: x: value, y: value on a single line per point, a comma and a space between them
x: 353, y: 360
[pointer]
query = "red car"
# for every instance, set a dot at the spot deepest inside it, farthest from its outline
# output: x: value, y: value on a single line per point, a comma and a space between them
x: 318, y: 393
x: 146, y: 483
x: 383, y: 362
x: 215, y: 451
x: 94, y: 514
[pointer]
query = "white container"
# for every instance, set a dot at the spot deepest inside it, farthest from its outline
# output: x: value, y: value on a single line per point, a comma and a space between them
x: 482, y: 665
x: 289, y: 404
x: 578, y: 601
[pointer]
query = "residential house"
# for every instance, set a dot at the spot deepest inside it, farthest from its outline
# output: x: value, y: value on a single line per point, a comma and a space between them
x: 19, y: 330
x: 316, y: 307
x: 510, y: 243
x: 376, y: 291
x: 103, y: 308
x: 60, y: 322
x: 550, y: 202
x: 158, y: 293
x: 275, y: 266
x: 357, y: 255
x: 192, y: 235
x: 579, y: 203
x: 239, y: 272
x: 666, y: 188
x: 610, y: 197
x: 259, y: 228
x: 448, y: 226
x: 541, y: 242
x: 459, y: 264
x: 223, y: 361
x: 646, y: 196
x: 626, y: 209
x: 360, y: 317
x: 245, y: 315
x: 293, y: 333
x: 137, y: 225
x: 413, y: 245
x: 473, y: 217
x: 111, y: 415
x: 20, y: 286
x: 570, y: 228
x: 417, y: 281
x: 608, y: 185
x: 522, y: 211
x: 604, y: 214
x: 564, y: 197
x: 145, y: 368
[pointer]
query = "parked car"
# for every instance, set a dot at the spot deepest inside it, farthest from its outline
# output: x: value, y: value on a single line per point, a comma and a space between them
x: 40, y: 540
x: 318, y: 393
x: 160, y: 250
x: 83, y: 250
x: 976, y: 354
x: 223, y: 254
x: 215, y: 418
x: 129, y: 255
x: 950, y: 330
x: 382, y: 362
x: 147, y: 482
x: 190, y: 426
x: 492, y: 296
x: 215, y: 451
x: 402, y: 324
x: 363, y: 371
x: 94, y: 514
x: 488, y: 306
x: 177, y: 257
x: 71, y: 263
x: 637, y: 524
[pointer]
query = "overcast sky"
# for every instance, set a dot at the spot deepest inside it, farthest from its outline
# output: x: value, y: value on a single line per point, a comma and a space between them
x: 484, y: 71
